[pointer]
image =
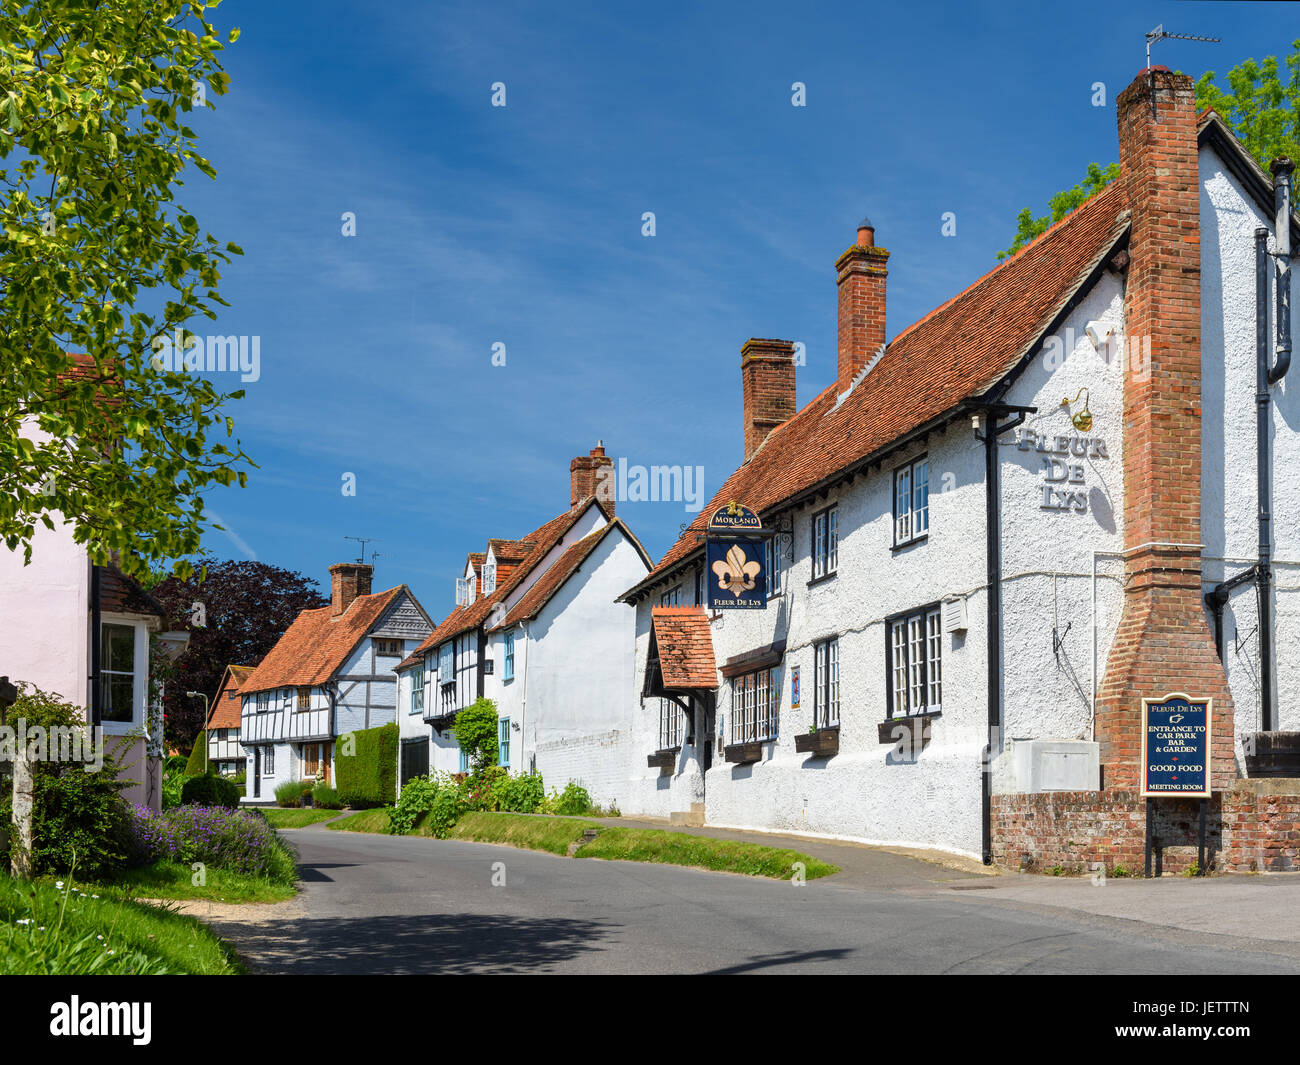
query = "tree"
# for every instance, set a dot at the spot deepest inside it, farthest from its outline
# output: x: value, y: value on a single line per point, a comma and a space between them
x: 98, y: 259
x: 235, y: 611
x: 476, y: 733
x: 1261, y: 108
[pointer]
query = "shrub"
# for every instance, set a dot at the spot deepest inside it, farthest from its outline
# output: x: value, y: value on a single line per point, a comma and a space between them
x: 210, y: 790
x: 77, y: 817
x: 481, y: 788
x: 439, y: 797
x: 573, y: 800
x: 289, y: 793
x: 197, y: 766
x: 326, y: 797
x: 238, y: 840
x: 368, y: 776
x: 476, y: 732
x: 522, y: 794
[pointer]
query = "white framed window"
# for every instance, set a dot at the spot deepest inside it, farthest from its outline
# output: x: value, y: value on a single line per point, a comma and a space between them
x: 117, y: 672
x: 672, y: 597
x: 774, y: 560
x: 670, y: 724
x: 263, y: 702
x: 489, y: 577
x: 912, y: 501
x: 754, y: 699
x: 417, y: 688
x: 446, y: 663
x: 826, y: 543
x: 268, y: 761
x: 826, y: 683
x: 464, y: 591
x: 916, y: 662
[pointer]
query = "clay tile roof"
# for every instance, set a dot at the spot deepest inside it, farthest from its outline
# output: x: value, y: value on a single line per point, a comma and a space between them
x: 685, y: 647
x: 120, y: 594
x: 317, y: 644
x: 561, y: 570
x: 466, y: 618
x: 955, y: 354
x: 226, y: 710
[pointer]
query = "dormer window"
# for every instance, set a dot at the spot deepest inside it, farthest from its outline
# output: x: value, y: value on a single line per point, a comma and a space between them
x: 489, y: 577
x: 464, y: 591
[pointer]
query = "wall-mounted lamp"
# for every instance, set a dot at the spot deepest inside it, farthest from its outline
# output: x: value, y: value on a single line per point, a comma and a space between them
x: 1082, y: 419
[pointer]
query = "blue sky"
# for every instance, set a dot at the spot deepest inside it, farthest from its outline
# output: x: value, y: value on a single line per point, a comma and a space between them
x: 522, y: 225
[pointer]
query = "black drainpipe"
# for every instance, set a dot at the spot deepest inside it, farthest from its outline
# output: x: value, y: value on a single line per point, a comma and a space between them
x: 1265, y: 376
x: 96, y: 612
x: 993, y: 540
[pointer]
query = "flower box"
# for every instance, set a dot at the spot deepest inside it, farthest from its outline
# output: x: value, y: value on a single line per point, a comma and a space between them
x: 820, y: 744
x: 663, y: 759
x: 744, y: 753
x: 913, y: 731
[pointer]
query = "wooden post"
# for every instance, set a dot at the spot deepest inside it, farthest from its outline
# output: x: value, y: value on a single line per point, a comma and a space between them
x: 20, y: 841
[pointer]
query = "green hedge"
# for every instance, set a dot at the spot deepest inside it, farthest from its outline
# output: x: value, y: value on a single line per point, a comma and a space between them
x: 195, y: 767
x: 367, y: 777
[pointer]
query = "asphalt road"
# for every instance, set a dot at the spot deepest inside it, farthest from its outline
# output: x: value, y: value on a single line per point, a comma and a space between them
x: 383, y: 904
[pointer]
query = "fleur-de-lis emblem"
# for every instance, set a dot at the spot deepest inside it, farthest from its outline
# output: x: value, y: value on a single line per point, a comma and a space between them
x: 735, y: 574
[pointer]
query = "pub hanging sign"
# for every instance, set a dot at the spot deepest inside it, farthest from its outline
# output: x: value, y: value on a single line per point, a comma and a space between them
x: 1176, y: 746
x: 734, y: 559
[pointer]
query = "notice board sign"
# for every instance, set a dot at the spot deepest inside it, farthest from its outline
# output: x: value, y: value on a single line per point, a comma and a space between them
x: 734, y: 559
x: 1176, y: 746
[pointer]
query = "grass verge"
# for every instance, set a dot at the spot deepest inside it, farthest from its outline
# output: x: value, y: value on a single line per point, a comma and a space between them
x: 293, y: 818
x: 552, y: 834
x: 701, y: 852
x: 45, y: 930
x: 555, y: 834
x: 365, y: 821
x: 175, y: 880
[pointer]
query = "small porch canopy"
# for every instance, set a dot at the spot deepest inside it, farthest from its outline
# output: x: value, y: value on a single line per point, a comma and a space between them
x: 680, y: 659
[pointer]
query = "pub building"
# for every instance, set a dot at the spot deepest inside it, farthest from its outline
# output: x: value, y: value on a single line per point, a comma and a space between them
x: 996, y: 538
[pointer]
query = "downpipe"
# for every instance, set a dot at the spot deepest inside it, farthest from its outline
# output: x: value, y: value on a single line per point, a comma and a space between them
x: 993, y: 540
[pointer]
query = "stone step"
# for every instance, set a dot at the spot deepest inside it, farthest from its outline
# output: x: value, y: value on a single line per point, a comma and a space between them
x: 692, y: 818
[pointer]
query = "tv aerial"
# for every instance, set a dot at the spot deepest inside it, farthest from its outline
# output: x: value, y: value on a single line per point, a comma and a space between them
x: 363, y: 540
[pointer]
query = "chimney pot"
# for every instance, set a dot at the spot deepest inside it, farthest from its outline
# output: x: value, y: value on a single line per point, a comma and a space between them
x: 348, y: 580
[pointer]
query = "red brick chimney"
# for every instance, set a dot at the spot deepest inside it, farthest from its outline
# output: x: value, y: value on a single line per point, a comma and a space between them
x: 861, y: 276
x: 348, y: 580
x: 767, y: 385
x: 1163, y: 643
x: 586, y: 479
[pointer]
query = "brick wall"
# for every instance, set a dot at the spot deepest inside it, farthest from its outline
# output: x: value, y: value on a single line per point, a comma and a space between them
x: 1246, y: 828
x: 1163, y: 643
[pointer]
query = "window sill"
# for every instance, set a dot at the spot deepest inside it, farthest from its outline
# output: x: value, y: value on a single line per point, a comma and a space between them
x: 904, y: 545
x: 823, y: 578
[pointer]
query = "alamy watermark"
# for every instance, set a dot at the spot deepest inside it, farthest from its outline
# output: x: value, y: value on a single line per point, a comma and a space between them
x: 54, y: 743
x: 189, y: 352
x: 626, y: 482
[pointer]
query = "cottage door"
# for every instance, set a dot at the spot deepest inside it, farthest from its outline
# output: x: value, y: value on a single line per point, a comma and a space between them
x: 257, y: 772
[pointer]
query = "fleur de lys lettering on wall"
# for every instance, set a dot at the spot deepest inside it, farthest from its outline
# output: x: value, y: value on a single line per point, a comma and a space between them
x: 735, y: 573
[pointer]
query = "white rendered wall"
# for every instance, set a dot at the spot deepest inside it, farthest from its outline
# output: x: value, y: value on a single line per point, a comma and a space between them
x: 1228, y: 461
